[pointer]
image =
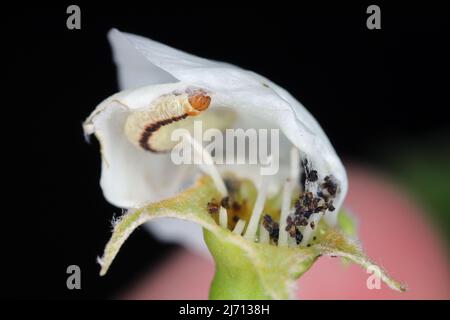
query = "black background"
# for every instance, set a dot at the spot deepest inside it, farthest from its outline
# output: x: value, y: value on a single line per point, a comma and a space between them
x: 366, y: 87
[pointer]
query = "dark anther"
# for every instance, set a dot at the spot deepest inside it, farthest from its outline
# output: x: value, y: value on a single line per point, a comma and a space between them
x: 292, y: 229
x: 272, y: 227
x: 316, y: 202
x: 213, y: 207
x: 307, y: 199
x: 330, y: 206
x: 236, y: 206
x: 289, y: 222
x: 312, y: 176
x: 300, y: 220
x: 307, y: 214
x: 319, y: 209
x: 330, y: 185
x: 225, y: 202
x: 298, y: 237
x: 309, y: 174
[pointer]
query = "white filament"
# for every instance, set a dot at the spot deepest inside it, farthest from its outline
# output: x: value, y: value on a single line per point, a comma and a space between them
x: 257, y: 211
x: 240, y: 225
x: 223, y: 217
x: 295, y: 164
x: 285, y: 208
x: 287, y: 195
x: 207, y: 164
x: 264, y: 236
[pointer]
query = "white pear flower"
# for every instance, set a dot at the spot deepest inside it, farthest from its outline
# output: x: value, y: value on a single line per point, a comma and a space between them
x: 165, y: 89
x: 132, y: 176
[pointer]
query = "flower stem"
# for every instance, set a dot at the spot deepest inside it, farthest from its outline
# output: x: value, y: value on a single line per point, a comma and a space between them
x: 235, y: 277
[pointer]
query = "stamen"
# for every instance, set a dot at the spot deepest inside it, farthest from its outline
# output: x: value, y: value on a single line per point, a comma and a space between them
x: 283, y: 239
x: 223, y: 217
x: 207, y: 164
x: 257, y: 211
x: 271, y: 226
x: 240, y: 225
x: 264, y: 236
x: 285, y: 208
x: 295, y: 163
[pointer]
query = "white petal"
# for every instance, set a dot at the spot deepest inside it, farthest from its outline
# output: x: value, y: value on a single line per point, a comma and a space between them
x: 133, y: 68
x: 173, y: 60
x: 254, y: 97
x: 131, y: 176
